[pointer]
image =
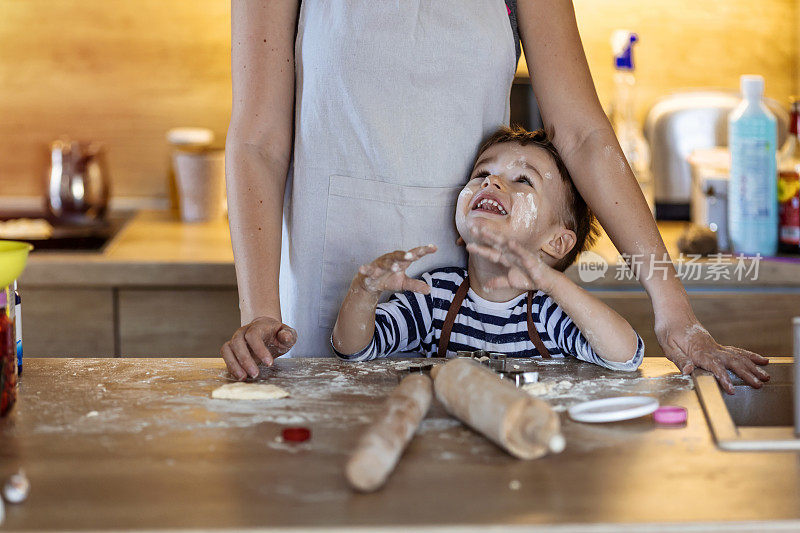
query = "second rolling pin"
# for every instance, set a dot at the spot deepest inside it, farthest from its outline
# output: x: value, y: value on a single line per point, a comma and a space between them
x: 382, y: 444
x: 520, y: 424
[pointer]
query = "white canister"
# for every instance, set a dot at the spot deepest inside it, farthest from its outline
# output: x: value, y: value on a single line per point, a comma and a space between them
x: 200, y: 177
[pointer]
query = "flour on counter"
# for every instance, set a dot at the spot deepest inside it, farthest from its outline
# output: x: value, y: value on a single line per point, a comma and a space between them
x: 541, y: 388
x: 563, y: 393
x: 437, y: 424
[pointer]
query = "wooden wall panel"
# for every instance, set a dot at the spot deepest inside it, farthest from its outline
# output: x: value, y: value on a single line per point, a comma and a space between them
x: 124, y: 72
x: 121, y: 72
x: 688, y: 44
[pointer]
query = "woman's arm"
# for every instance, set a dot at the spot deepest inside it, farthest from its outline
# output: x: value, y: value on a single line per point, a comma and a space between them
x: 257, y: 154
x: 586, y: 141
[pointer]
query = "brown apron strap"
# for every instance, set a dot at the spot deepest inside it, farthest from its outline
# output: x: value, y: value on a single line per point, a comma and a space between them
x: 452, y: 311
x: 533, y: 333
x: 455, y: 306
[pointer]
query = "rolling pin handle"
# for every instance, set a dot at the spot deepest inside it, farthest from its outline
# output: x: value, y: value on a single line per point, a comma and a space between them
x: 554, y: 442
x: 557, y: 443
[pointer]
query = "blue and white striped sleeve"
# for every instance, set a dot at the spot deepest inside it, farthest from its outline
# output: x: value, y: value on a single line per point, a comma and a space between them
x: 401, y: 324
x: 571, y: 340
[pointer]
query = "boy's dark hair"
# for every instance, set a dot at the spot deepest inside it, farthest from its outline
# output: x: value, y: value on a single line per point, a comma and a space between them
x: 577, y: 217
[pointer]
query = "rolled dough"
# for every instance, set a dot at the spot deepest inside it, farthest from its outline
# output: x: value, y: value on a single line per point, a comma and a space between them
x: 249, y: 391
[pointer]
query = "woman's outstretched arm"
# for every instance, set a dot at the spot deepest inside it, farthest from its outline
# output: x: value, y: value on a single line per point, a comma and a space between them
x: 257, y: 154
x: 586, y: 141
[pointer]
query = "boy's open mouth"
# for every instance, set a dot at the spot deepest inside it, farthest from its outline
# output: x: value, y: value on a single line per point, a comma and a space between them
x: 488, y: 203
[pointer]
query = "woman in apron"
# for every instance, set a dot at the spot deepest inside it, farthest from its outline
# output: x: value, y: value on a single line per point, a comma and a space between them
x: 354, y: 125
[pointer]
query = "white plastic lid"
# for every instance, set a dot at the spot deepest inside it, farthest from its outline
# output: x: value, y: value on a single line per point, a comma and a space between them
x: 752, y: 86
x: 613, y: 409
x: 190, y: 136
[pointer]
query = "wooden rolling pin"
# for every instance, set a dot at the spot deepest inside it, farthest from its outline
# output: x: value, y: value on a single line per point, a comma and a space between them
x: 522, y: 425
x: 381, y: 446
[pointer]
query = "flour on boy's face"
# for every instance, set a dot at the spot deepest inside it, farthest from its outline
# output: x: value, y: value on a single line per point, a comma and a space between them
x: 508, y: 194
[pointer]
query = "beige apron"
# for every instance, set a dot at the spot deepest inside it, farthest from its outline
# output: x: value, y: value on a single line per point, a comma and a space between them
x: 392, y: 102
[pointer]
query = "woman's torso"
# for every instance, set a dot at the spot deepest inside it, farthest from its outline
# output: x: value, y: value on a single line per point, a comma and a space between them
x: 392, y: 101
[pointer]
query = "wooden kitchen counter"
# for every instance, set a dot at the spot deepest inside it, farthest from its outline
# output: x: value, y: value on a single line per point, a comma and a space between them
x: 152, y: 249
x: 138, y: 444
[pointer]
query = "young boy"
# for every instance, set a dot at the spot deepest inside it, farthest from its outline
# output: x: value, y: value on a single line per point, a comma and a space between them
x: 524, y: 223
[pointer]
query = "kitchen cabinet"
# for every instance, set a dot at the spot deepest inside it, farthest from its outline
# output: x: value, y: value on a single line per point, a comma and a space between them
x: 59, y: 322
x: 180, y: 321
x: 68, y: 322
x: 759, y: 321
x: 184, y: 322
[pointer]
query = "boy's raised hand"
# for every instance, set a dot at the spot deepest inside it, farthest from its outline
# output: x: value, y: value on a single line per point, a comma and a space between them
x: 388, y: 272
x: 526, y: 270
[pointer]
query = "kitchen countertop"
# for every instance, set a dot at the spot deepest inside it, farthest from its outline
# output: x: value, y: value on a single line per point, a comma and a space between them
x: 138, y: 444
x: 154, y: 249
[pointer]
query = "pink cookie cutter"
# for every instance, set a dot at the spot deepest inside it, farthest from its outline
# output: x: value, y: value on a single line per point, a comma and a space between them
x: 670, y: 415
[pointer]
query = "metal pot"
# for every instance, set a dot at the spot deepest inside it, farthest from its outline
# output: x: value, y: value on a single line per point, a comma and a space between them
x: 77, y: 184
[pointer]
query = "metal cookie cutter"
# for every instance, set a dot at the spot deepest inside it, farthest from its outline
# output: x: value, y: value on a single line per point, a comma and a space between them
x: 520, y: 377
x: 494, y: 360
x: 497, y: 362
x: 422, y: 368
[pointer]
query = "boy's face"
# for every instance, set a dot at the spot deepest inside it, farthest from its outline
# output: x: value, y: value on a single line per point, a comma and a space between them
x: 516, y: 192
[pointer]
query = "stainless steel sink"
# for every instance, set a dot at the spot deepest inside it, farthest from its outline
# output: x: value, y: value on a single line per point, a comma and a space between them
x: 752, y: 419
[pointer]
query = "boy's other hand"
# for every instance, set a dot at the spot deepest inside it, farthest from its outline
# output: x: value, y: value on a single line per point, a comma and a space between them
x: 388, y: 272
x: 526, y: 270
x: 262, y: 340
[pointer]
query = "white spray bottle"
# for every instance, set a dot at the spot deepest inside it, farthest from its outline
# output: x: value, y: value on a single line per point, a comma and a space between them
x: 623, y: 117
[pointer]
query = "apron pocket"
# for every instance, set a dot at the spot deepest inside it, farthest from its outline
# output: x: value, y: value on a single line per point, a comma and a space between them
x: 366, y: 219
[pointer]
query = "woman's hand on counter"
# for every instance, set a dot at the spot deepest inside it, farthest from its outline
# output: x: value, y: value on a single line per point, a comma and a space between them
x: 262, y: 340
x: 689, y: 345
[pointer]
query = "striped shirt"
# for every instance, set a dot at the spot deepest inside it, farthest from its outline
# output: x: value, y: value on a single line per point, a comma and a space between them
x: 410, y: 322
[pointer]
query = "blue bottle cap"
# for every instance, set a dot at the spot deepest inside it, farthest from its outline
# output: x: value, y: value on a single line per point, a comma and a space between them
x: 622, y: 42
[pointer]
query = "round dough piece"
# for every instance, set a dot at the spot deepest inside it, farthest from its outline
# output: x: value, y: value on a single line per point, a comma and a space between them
x: 249, y: 391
